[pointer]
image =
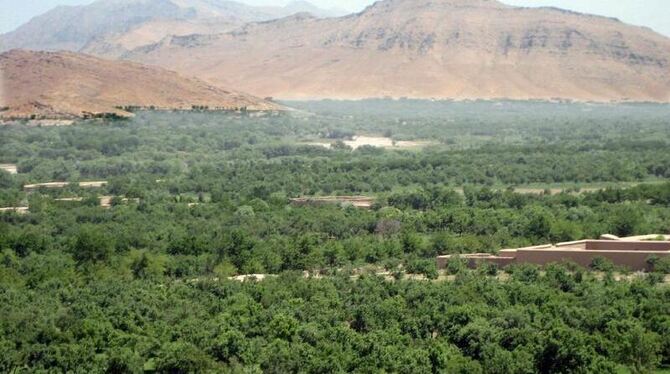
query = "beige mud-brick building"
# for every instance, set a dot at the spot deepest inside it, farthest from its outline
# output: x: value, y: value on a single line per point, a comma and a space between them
x: 633, y: 253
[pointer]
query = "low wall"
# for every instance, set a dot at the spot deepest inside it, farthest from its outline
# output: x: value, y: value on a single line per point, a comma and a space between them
x: 606, y: 245
x: 500, y: 261
x: 634, y: 260
x: 582, y: 244
x: 630, y: 254
x: 473, y: 261
x: 652, y: 237
x: 442, y: 261
x: 617, y: 245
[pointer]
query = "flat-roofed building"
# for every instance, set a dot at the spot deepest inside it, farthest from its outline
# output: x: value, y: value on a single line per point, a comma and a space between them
x: 364, y: 202
x: 624, y: 252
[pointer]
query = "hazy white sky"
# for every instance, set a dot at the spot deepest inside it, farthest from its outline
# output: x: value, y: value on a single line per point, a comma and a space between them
x: 651, y: 13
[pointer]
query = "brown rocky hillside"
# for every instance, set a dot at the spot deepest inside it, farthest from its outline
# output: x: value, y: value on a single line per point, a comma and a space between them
x: 61, y: 85
x: 462, y: 49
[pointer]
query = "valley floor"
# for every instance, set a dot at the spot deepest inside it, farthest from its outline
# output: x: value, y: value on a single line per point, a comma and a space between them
x: 156, y: 278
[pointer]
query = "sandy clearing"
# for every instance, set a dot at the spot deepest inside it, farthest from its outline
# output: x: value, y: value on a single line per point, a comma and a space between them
x: 252, y: 277
x: 541, y: 191
x: 19, y: 210
x: 10, y: 168
x: 36, y: 122
x: 357, y: 201
x: 70, y: 199
x: 92, y: 184
x: 375, y: 141
x: 552, y: 191
x: 106, y: 201
x: 31, y: 187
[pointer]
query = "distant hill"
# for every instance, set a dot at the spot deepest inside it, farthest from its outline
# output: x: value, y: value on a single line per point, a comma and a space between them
x: 112, y: 26
x: 461, y: 49
x: 67, y: 85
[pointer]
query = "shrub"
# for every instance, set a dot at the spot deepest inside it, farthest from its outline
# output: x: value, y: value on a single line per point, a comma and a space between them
x: 602, y: 264
x: 488, y: 268
x: 456, y: 264
x: 526, y: 273
x: 659, y: 265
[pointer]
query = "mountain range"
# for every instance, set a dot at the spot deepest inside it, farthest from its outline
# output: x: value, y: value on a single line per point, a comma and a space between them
x: 461, y: 49
x: 456, y: 49
x: 127, y: 24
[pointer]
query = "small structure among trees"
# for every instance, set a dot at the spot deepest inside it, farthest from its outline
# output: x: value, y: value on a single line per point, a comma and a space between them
x: 357, y: 201
x: 630, y: 253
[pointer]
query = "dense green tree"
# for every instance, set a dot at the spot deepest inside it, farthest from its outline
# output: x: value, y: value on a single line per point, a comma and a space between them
x: 181, y: 357
x: 92, y: 244
x: 632, y: 345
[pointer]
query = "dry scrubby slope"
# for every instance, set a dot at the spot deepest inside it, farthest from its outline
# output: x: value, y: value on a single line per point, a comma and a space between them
x: 67, y: 84
x: 430, y: 48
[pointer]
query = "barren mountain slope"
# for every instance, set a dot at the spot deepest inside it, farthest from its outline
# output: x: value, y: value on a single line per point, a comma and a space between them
x: 109, y: 27
x: 210, y: 17
x: 71, y: 27
x: 431, y: 48
x: 70, y: 85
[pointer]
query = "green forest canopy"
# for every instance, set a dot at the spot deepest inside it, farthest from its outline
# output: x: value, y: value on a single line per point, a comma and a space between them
x: 144, y: 286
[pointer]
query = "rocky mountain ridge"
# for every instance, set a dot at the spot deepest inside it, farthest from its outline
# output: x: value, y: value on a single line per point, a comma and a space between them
x: 430, y: 49
x: 114, y: 26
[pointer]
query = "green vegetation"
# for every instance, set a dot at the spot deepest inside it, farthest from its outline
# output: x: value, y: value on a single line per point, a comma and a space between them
x: 143, y: 285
